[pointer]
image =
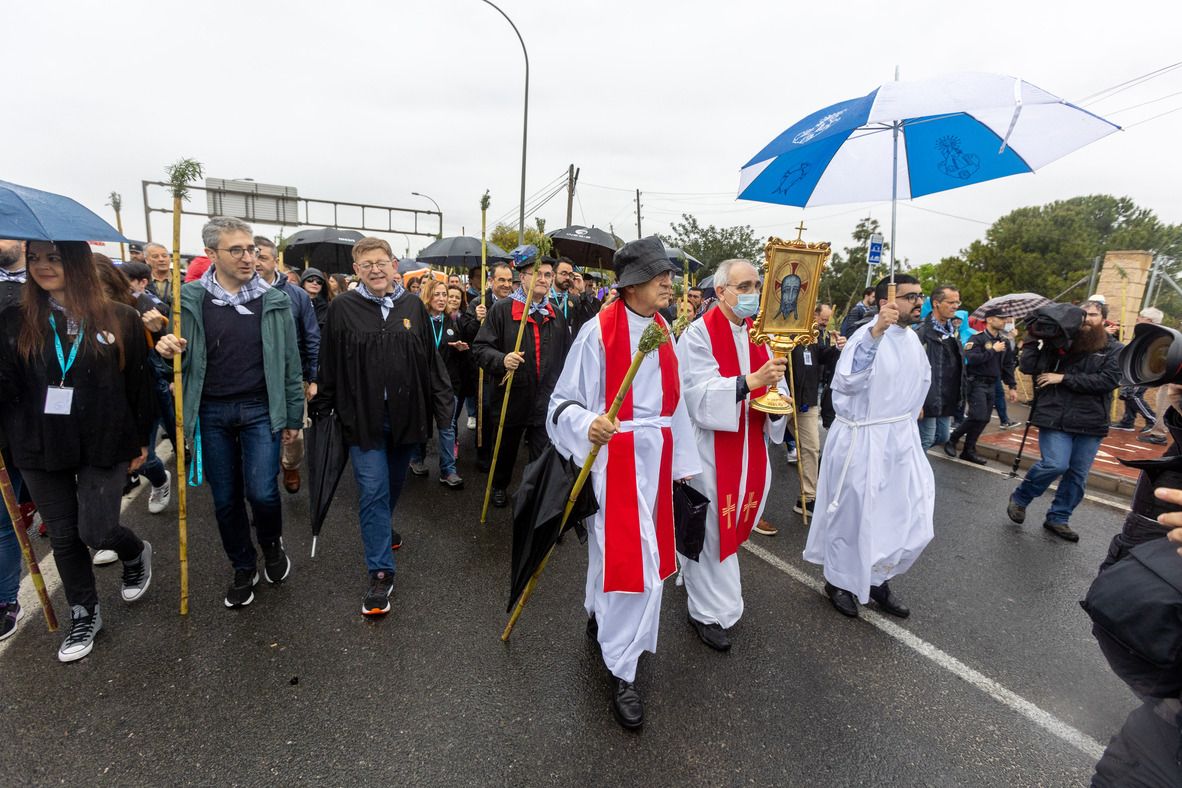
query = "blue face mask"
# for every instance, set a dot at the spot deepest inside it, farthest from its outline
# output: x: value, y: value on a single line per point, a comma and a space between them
x: 747, y: 305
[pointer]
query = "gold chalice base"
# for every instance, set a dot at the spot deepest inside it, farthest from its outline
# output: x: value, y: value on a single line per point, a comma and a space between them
x: 772, y: 402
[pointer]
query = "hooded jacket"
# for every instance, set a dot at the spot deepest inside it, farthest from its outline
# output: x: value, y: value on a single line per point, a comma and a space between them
x: 1081, y: 402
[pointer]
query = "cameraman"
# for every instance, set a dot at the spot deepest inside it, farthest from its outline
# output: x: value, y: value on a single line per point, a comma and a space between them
x: 1073, y: 397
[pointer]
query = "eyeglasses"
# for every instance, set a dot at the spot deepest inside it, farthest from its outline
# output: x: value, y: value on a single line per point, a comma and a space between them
x: 367, y: 267
x: 912, y: 298
x: 237, y: 252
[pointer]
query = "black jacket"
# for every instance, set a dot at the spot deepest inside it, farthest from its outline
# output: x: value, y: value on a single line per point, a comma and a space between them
x: 113, y: 408
x: 982, y: 361
x: 453, y: 360
x: 946, y: 358
x: 544, y: 346
x: 822, y: 357
x: 1081, y: 403
x: 576, y: 310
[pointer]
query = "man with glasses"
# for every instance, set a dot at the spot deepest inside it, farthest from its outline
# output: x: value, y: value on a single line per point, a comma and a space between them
x: 988, y: 358
x: 243, y: 397
x: 381, y: 374
x: 266, y: 262
x: 941, y: 342
x: 876, y: 492
x: 576, y: 310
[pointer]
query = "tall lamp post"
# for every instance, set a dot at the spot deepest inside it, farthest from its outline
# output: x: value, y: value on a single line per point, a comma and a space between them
x: 437, y: 210
x: 524, y: 125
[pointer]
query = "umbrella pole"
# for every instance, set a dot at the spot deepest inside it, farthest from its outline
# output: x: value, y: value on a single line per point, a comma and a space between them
x: 484, y: 202
x: 22, y: 536
x: 508, y: 384
x: 894, y: 199
x: 648, y: 344
x: 179, y: 405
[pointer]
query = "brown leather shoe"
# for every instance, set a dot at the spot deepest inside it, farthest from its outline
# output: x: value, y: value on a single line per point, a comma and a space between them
x: 291, y: 480
x: 765, y: 528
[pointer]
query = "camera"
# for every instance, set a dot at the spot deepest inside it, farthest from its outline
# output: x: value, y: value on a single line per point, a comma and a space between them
x: 1055, y: 325
x: 1153, y: 358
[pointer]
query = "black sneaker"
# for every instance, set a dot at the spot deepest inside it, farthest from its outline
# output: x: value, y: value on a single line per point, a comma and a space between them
x: 418, y: 468
x: 137, y: 575
x: 241, y: 591
x: 808, y: 505
x: 500, y: 498
x: 1157, y: 439
x: 1123, y: 427
x: 276, y: 564
x: 395, y: 539
x: 133, y: 481
x: 84, y: 625
x: 1148, y: 428
x: 10, y: 614
x: 377, y: 599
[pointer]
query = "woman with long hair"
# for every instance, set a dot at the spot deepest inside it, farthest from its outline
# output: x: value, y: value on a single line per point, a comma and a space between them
x: 452, y: 349
x: 76, y: 403
x: 465, y: 388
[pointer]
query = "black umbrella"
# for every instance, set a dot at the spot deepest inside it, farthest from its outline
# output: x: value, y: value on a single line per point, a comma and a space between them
x: 409, y: 264
x: 538, y: 505
x: 327, y: 248
x: 679, y: 258
x: 585, y: 246
x: 460, y: 251
x: 327, y: 456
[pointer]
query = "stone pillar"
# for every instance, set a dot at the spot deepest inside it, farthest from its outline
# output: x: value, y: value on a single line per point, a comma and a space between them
x: 1123, y: 279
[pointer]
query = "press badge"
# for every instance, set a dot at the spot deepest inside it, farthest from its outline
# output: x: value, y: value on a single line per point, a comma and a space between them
x: 808, y: 358
x: 59, y: 400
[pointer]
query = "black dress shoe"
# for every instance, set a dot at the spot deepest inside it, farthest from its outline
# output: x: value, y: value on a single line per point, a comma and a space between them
x: 1061, y: 530
x: 972, y: 457
x: 713, y: 635
x: 842, y: 600
x: 885, y: 598
x: 950, y: 448
x: 627, y: 705
x: 500, y: 498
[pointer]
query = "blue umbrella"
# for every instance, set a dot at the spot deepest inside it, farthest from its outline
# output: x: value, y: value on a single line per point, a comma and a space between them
x: 908, y: 139
x: 33, y: 215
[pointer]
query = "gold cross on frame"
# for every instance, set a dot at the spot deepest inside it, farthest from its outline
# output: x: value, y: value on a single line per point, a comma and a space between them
x: 728, y: 511
x: 751, y: 505
x: 800, y: 228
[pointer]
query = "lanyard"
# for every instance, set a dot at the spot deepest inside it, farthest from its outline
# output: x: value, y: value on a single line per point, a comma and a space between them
x: 438, y: 334
x: 61, y: 357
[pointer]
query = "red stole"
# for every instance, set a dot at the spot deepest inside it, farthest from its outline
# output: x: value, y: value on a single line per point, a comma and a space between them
x: 736, y: 513
x: 623, y: 562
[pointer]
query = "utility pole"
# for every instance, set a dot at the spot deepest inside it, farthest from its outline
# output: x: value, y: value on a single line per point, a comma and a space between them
x: 572, y: 177
x: 638, y: 233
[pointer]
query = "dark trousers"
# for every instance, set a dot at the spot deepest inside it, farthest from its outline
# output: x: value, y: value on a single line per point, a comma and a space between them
x: 488, y: 426
x: 980, y: 401
x: 535, y: 437
x: 240, y: 459
x: 80, y: 508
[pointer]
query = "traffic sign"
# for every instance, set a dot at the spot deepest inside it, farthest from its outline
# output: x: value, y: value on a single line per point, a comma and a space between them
x: 874, y: 255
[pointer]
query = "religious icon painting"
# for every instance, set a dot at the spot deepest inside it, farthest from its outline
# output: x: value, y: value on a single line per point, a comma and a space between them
x: 791, y: 277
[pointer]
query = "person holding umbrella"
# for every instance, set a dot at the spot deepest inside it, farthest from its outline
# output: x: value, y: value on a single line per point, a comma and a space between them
x: 575, y: 309
x: 383, y: 377
x: 987, y: 357
x: 76, y: 402
x: 649, y: 445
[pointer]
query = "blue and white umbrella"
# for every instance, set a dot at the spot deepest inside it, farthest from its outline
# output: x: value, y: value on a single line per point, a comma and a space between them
x: 28, y: 214
x: 908, y: 139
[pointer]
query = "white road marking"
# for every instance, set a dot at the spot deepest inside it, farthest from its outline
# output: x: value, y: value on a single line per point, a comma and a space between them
x: 1044, y: 719
x: 27, y: 595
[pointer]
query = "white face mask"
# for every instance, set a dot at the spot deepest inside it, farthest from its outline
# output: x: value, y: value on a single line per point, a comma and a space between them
x: 1009, y: 327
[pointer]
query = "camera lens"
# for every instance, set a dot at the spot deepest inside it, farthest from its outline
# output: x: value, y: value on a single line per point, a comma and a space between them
x: 1153, y: 357
x: 1152, y: 362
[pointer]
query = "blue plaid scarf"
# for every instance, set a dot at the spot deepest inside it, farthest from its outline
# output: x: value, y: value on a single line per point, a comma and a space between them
x: 248, y: 292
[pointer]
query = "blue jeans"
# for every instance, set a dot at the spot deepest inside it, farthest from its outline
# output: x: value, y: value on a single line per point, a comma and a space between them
x: 447, y: 446
x: 10, y: 548
x: 153, y: 468
x: 380, y: 474
x: 936, y: 429
x: 240, y: 457
x: 999, y: 400
x: 1063, y: 454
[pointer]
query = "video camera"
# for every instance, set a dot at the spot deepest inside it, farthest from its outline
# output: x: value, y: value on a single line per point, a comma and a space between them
x: 1056, y: 325
x: 1154, y: 357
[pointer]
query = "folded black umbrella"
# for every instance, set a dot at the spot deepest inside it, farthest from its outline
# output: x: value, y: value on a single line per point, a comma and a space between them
x: 327, y: 456
x: 689, y: 519
x: 538, y: 505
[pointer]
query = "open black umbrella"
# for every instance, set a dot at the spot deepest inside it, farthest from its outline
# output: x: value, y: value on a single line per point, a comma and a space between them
x: 537, y: 514
x: 585, y: 246
x: 409, y: 264
x: 327, y: 248
x: 460, y: 251
x: 679, y: 257
x: 327, y: 456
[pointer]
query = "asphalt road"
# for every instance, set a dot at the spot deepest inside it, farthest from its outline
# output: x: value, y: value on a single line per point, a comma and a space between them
x: 300, y: 688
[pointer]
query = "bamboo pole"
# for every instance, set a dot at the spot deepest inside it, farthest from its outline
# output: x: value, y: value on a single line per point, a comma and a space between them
x: 180, y: 482
x: 484, y: 203
x: 507, y: 383
x: 804, y: 510
x: 646, y: 346
x: 22, y: 536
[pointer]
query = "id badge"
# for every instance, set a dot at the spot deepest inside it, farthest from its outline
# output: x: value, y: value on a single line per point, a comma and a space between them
x: 59, y: 400
x: 808, y: 358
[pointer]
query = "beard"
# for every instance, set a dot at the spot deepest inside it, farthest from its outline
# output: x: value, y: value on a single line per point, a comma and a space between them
x: 9, y: 258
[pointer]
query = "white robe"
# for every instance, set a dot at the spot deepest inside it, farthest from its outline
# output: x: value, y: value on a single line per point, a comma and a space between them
x: 715, y: 594
x: 872, y: 524
x: 627, y: 621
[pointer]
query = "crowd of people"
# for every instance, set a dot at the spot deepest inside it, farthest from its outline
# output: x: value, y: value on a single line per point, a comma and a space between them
x: 85, y: 366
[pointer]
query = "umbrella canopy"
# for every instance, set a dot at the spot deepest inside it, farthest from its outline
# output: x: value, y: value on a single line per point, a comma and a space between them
x: 460, y: 251
x: 677, y: 256
x: 327, y: 456
x: 947, y: 132
x: 1016, y: 306
x: 585, y: 246
x: 409, y: 265
x: 33, y: 215
x: 327, y: 248
x: 538, y: 505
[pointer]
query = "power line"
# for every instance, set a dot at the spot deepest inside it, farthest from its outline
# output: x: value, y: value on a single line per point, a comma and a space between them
x: 1109, y: 92
x: 949, y: 215
x: 1155, y: 117
x: 1145, y: 103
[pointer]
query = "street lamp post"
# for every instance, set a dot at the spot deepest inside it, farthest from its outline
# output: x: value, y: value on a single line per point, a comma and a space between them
x: 524, y: 125
x: 437, y: 210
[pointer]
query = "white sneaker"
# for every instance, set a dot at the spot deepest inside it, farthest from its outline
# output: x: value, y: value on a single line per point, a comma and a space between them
x: 104, y: 557
x: 792, y: 457
x: 137, y: 575
x: 159, y: 497
x: 471, y: 422
x: 80, y: 639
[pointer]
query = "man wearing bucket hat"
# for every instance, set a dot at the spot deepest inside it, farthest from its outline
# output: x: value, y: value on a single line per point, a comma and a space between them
x: 987, y: 357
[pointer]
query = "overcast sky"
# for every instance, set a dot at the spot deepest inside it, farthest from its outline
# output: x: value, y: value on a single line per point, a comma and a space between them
x: 370, y: 101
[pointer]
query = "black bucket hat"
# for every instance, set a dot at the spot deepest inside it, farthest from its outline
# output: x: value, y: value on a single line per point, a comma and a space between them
x: 637, y: 262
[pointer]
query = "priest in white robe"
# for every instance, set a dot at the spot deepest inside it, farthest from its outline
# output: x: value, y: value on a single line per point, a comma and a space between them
x: 650, y: 445
x: 722, y: 370
x: 875, y: 495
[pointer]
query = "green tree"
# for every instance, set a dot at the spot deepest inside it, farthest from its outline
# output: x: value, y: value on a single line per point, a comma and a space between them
x: 505, y: 236
x: 711, y: 245
x: 844, y: 278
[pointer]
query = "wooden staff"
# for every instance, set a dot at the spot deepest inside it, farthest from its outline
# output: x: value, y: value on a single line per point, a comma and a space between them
x: 180, y: 482
x: 21, y: 527
x: 484, y: 203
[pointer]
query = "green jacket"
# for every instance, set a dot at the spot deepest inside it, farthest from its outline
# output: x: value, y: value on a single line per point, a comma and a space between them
x: 281, y: 359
